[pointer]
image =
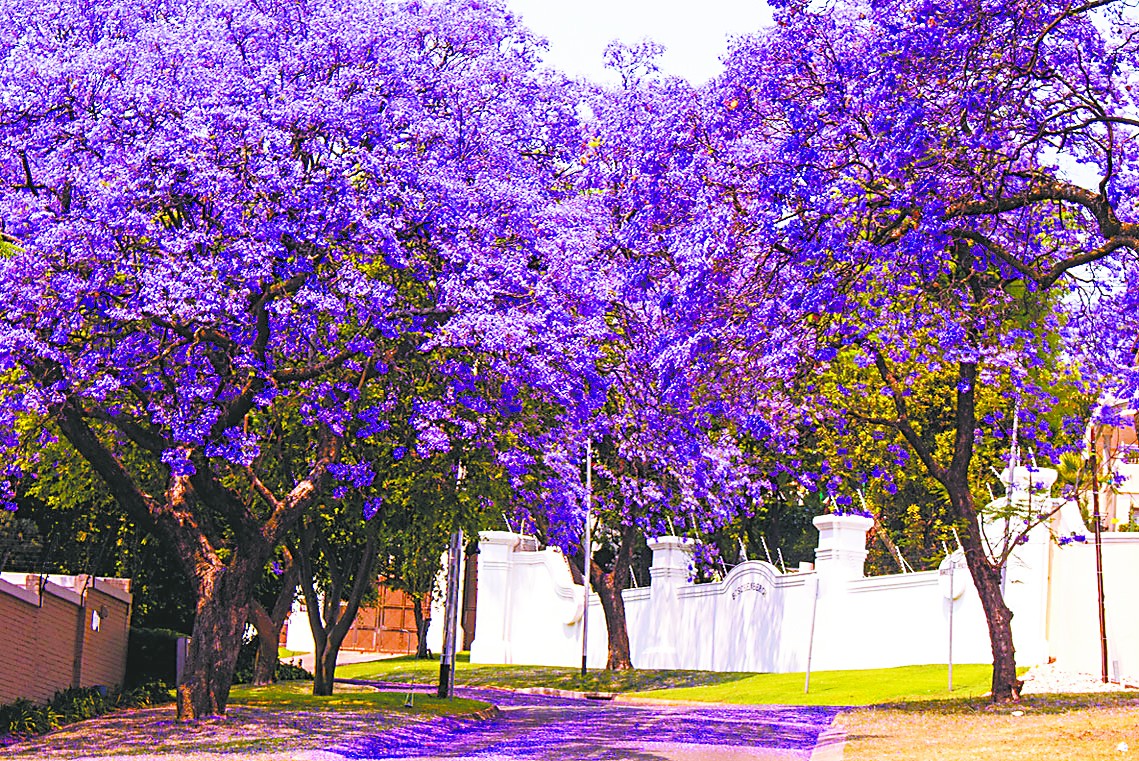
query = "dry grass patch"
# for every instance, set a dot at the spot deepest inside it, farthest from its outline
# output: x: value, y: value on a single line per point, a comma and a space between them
x: 1052, y: 727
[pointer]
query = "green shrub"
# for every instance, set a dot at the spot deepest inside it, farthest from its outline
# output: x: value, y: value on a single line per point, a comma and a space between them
x: 287, y: 672
x: 144, y: 695
x: 78, y: 703
x: 247, y: 656
x: 24, y: 718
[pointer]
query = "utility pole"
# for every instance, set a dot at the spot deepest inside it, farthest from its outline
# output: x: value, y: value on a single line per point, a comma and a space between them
x: 952, y: 592
x: 1094, y: 466
x: 451, y: 616
x: 811, y: 635
x: 588, y: 542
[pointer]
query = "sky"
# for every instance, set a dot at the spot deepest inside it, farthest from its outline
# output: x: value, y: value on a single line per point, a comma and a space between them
x: 695, y: 34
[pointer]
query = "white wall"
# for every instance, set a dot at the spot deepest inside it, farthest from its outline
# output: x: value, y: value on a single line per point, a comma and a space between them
x: 758, y: 619
x: 298, y: 630
x: 1073, y: 621
x: 529, y: 609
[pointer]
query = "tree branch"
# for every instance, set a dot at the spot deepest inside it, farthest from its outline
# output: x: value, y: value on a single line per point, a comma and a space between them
x: 903, y: 424
x: 304, y: 493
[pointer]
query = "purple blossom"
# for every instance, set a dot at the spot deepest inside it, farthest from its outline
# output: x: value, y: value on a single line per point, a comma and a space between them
x: 178, y: 461
x: 852, y: 511
x: 372, y: 507
x: 360, y: 475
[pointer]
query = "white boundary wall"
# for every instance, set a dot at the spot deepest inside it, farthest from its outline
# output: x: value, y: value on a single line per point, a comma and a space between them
x: 1072, y: 618
x: 758, y: 619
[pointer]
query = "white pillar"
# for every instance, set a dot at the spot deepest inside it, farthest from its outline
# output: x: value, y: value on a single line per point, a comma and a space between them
x: 841, y: 554
x: 492, y: 627
x: 672, y: 556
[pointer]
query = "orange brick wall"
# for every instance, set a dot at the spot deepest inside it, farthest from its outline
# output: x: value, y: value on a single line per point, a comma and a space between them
x: 388, y: 626
x: 37, y: 642
x: 105, y: 651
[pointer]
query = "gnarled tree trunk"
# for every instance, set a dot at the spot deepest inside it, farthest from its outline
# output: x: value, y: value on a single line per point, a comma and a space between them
x: 224, y: 595
x: 609, y: 585
x: 184, y: 518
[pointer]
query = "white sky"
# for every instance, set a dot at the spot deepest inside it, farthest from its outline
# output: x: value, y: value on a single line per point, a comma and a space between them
x: 695, y: 34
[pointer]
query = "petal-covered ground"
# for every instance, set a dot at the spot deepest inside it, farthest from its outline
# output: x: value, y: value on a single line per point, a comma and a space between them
x: 527, y: 727
x: 538, y: 728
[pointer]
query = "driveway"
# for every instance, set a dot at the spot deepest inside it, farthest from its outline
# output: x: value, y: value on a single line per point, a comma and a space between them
x: 541, y: 728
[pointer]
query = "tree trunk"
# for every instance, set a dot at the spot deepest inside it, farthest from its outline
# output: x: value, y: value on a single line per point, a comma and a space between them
x: 328, y: 644
x: 324, y: 666
x: 224, y: 588
x: 955, y: 478
x: 268, y: 637
x: 987, y: 579
x: 422, y: 624
x: 224, y: 596
x: 269, y: 623
x: 609, y: 585
x: 609, y: 588
x: 330, y: 626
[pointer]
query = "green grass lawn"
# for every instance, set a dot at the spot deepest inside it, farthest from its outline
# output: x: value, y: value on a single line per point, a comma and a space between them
x: 849, y: 688
x: 868, y: 687
x: 297, y: 696
x: 408, y: 669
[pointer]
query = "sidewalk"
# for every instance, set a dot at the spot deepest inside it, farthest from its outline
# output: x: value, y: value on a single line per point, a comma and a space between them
x: 307, y: 661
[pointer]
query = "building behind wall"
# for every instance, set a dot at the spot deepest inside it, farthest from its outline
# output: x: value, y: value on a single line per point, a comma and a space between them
x: 1117, y: 451
x: 385, y: 626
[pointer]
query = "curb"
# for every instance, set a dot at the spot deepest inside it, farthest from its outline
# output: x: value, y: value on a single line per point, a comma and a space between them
x: 486, y: 714
x: 556, y: 693
x: 830, y: 743
x: 615, y: 697
x: 548, y: 691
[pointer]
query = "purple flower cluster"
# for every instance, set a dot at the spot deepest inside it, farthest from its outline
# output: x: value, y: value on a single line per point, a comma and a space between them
x: 852, y: 511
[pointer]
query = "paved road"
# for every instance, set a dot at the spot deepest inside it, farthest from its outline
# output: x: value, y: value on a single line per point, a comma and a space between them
x: 540, y: 728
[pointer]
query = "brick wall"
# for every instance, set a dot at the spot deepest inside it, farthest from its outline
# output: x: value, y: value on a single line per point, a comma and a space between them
x: 48, y: 643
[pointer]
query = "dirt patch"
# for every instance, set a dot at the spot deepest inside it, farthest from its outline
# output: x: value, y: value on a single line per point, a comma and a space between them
x: 1098, y: 727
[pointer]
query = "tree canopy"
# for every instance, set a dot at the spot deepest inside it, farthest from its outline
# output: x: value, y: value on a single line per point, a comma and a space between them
x: 925, y: 192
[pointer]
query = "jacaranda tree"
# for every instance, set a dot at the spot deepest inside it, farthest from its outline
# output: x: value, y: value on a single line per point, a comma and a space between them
x: 217, y: 215
x: 921, y: 191
x: 659, y: 466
